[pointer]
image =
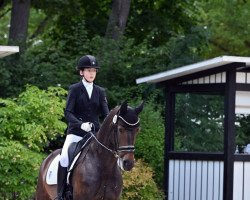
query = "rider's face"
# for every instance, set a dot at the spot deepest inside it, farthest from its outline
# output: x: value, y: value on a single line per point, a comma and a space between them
x: 89, y: 74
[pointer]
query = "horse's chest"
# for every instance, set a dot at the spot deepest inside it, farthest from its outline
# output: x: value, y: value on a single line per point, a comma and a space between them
x: 101, y: 184
x: 109, y: 186
x: 109, y: 190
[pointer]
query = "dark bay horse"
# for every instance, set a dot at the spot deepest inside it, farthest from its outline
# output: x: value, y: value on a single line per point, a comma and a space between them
x: 97, y: 172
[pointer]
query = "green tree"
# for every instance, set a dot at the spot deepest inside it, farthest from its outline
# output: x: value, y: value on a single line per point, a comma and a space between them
x: 199, y: 123
x: 28, y: 123
x: 118, y: 19
x: 18, y: 30
x: 242, y: 130
x: 5, y: 19
x: 229, y: 35
x: 162, y: 20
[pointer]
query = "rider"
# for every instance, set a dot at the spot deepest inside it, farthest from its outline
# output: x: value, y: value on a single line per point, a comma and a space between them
x: 86, y: 101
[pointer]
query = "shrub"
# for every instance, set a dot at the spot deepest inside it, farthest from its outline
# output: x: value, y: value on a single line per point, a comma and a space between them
x: 139, y: 184
x: 18, y: 170
x: 34, y: 117
x: 150, y: 141
x: 27, y: 123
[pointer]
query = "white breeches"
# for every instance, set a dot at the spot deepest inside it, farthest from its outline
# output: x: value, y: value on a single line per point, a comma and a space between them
x: 64, y: 158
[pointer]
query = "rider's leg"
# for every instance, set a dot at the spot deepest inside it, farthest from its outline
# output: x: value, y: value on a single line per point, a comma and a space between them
x: 63, y: 164
x: 61, y: 181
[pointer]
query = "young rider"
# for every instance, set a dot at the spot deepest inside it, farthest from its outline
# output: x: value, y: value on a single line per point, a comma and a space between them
x: 86, y: 102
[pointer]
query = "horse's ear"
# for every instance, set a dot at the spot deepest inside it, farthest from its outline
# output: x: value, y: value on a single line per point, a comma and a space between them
x: 139, y: 108
x: 124, y: 108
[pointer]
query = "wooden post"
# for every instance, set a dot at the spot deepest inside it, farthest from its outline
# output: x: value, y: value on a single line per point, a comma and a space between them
x: 169, y: 135
x: 229, y: 136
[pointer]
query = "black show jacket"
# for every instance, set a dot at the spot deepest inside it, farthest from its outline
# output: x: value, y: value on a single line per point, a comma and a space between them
x: 80, y: 108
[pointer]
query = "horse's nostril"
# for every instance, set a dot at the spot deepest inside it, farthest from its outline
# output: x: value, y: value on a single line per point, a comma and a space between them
x: 128, y: 165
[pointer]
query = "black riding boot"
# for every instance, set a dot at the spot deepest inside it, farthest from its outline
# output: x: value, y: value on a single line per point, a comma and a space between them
x: 61, y: 181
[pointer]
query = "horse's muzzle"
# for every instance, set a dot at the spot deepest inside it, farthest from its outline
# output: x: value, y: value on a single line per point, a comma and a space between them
x: 126, y: 161
x: 128, y: 164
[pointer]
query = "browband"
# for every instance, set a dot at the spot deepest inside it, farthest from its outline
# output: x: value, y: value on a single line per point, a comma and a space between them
x: 115, y: 118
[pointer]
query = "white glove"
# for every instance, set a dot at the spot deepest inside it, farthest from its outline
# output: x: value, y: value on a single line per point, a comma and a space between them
x: 86, y: 126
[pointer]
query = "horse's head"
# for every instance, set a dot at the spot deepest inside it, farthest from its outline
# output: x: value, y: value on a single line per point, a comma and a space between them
x: 127, y: 125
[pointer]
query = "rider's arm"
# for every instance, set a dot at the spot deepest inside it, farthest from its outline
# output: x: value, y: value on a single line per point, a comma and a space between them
x: 104, y: 103
x: 69, y: 112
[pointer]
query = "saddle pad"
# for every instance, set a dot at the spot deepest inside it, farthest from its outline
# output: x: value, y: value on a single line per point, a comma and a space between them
x: 51, y: 176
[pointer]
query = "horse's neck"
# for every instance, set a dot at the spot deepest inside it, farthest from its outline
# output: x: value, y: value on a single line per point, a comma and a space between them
x: 103, y: 149
x: 106, y: 133
x: 105, y: 158
x: 106, y: 141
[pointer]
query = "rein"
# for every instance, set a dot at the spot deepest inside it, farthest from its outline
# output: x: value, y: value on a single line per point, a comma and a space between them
x: 127, y: 148
x: 112, y: 151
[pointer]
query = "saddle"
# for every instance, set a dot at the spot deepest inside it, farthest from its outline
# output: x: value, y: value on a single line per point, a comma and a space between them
x: 76, y: 147
x: 74, y: 152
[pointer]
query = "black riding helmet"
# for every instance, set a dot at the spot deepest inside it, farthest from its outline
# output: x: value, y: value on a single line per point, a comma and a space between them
x: 87, y: 61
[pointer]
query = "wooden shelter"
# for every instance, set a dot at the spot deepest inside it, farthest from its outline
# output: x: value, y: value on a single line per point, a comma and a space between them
x: 8, y: 50
x: 221, y: 175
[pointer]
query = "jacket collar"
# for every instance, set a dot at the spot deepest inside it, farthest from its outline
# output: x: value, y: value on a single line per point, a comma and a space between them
x: 83, y: 89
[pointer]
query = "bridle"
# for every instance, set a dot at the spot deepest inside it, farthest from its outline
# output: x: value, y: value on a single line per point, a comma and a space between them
x: 118, y: 149
x: 127, y: 148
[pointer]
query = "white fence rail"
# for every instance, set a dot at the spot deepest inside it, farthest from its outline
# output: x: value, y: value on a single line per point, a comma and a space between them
x: 241, y: 180
x: 203, y: 180
x: 195, y: 180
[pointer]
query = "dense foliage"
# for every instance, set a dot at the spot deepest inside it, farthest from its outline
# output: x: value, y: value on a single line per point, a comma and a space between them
x: 28, y: 123
x: 18, y: 169
x: 150, y: 142
x: 200, y: 129
x: 242, y: 130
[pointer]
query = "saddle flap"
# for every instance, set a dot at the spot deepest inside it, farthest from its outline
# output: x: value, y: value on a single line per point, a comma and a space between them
x: 51, y: 176
x: 74, y: 152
